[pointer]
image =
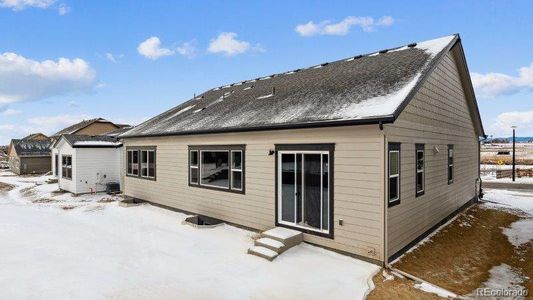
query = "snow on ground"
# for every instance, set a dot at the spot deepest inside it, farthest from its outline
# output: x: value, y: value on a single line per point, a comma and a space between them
x: 430, y: 288
x: 97, y: 249
x: 520, y: 232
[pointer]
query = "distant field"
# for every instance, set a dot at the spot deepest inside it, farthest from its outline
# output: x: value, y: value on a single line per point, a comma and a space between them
x: 501, y: 154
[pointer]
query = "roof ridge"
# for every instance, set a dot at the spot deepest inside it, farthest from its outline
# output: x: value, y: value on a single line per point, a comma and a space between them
x: 237, y: 83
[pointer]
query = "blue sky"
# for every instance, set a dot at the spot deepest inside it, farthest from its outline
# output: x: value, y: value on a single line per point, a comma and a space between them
x: 65, y: 60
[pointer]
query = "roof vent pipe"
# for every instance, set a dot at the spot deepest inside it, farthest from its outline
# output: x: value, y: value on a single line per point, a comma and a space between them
x: 273, y: 90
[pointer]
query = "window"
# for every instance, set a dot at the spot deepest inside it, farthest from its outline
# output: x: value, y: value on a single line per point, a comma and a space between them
x: 193, y: 165
x: 141, y: 162
x: 148, y: 163
x: 450, y: 164
x: 217, y: 167
x: 420, y: 170
x: 394, y: 174
x: 236, y: 170
x: 66, y: 164
x: 133, y: 162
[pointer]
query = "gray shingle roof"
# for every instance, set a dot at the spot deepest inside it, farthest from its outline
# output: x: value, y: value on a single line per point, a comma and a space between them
x: 353, y: 90
x: 32, y: 147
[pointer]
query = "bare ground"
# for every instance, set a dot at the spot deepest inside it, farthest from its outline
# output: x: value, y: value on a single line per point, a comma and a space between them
x: 460, y: 256
x: 397, y: 288
x: 4, y: 187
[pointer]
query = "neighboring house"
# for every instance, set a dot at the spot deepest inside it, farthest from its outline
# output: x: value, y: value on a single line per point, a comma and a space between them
x: 88, y: 163
x: 365, y: 155
x: 30, y: 155
x: 92, y: 127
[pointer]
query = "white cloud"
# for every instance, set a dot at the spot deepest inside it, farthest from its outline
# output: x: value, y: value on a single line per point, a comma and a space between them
x: 22, y: 4
x: 493, y: 84
x: 52, y: 124
x: 151, y: 48
x: 187, y: 49
x: 343, y: 27
x: 113, y: 57
x: 10, y: 112
x: 23, y: 79
x: 63, y: 9
x: 227, y: 44
x: 522, y: 119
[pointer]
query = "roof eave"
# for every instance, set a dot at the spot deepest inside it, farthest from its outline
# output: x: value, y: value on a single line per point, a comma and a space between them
x: 338, y: 123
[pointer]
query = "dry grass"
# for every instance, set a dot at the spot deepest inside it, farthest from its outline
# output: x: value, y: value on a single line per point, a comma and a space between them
x: 507, y: 160
x: 397, y: 288
x: 68, y: 207
x: 4, y: 187
x: 460, y: 256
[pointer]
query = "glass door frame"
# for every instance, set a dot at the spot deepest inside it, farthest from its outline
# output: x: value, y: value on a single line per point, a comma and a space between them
x: 305, y: 149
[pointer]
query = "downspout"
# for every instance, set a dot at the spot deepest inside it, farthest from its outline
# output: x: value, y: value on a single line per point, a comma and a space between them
x: 484, y: 138
x: 385, y: 204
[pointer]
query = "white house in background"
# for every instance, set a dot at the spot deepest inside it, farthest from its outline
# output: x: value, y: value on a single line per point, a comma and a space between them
x: 88, y: 163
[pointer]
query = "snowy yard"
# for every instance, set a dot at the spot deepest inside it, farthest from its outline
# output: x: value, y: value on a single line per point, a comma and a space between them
x: 88, y: 247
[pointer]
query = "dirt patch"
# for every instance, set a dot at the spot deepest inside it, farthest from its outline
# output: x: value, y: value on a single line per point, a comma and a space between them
x: 68, y: 207
x: 44, y: 201
x: 4, y: 187
x: 106, y: 200
x: 28, y: 192
x: 397, y: 288
x: 460, y: 256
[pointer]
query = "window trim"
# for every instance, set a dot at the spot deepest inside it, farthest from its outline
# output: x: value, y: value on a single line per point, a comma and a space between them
x: 231, y: 169
x: 420, y: 148
x: 147, y: 163
x: 218, y: 148
x: 64, y: 166
x: 138, y: 149
x: 197, y: 167
x: 450, y: 181
x: 392, y: 146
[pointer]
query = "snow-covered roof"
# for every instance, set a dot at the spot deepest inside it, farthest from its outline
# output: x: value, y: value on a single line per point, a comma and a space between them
x: 90, y: 141
x: 32, y: 147
x: 357, y: 90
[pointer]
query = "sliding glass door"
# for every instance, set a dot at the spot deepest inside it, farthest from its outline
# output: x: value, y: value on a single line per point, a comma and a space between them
x: 303, y: 189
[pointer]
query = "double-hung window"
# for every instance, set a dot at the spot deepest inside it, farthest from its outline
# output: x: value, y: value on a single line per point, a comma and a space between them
x: 420, y: 169
x: 394, y: 174
x: 450, y: 164
x: 217, y: 167
x: 148, y: 163
x: 66, y: 166
x: 133, y: 162
x: 141, y: 162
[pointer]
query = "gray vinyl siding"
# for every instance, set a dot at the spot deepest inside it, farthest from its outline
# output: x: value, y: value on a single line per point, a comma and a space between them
x: 358, y: 182
x: 438, y: 115
x: 30, y: 165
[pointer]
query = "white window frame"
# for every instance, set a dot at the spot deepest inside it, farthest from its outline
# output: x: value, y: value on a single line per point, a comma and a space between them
x: 147, y: 163
x: 66, y: 166
x: 132, y: 164
x: 280, y: 192
x: 397, y: 175
x: 422, y: 171
x: 235, y: 170
x: 197, y: 167
x: 452, y: 152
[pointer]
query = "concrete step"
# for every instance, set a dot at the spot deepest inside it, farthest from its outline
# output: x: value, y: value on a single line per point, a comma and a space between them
x: 263, y: 252
x: 288, y: 237
x: 271, y: 244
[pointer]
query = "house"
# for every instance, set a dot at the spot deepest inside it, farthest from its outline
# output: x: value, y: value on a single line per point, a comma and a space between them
x: 88, y: 163
x: 92, y: 127
x: 365, y: 155
x: 29, y: 155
